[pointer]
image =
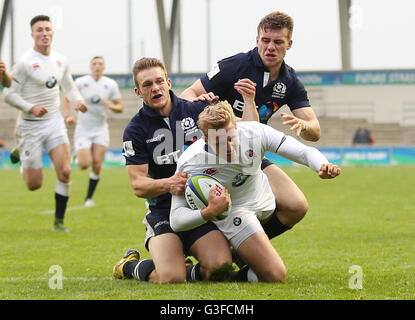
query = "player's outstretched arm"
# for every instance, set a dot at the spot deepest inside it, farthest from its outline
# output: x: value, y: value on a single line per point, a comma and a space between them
x: 304, y: 122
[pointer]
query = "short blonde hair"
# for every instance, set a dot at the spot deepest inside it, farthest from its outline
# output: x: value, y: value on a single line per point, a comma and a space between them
x: 216, y: 116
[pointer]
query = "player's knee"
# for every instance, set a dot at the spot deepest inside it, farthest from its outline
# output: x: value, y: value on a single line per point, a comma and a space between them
x: 33, y: 185
x: 64, y: 174
x: 275, y: 275
x: 171, y: 277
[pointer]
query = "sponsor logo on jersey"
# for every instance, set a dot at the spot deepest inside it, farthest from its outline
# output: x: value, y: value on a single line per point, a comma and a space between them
x: 210, y: 171
x: 161, y: 223
x: 36, y: 66
x: 279, y: 90
x: 238, y: 105
x: 95, y: 99
x: 239, y: 179
x: 51, y: 82
x: 86, y: 85
x: 59, y: 63
x: 267, y: 110
x: 155, y: 139
x: 169, y: 158
x: 237, y: 221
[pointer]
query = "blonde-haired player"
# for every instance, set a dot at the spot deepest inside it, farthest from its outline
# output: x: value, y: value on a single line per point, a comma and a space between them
x: 232, y: 152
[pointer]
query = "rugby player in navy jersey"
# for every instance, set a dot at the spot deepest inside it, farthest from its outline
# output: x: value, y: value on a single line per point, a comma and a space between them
x: 152, y: 142
x: 276, y: 85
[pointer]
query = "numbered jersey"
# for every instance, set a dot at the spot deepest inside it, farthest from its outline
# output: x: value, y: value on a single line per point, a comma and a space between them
x: 94, y: 93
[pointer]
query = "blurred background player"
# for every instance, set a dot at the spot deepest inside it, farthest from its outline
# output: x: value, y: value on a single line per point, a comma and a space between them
x: 233, y: 151
x: 40, y: 126
x: 5, y: 77
x: 91, y: 137
x: 277, y: 85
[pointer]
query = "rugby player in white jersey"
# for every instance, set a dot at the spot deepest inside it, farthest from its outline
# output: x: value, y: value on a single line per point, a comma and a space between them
x: 91, y: 137
x: 35, y: 91
x: 232, y: 152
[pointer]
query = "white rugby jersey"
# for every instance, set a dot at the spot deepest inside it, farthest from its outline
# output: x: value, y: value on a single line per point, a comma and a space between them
x: 36, y: 81
x: 94, y: 92
x: 247, y: 185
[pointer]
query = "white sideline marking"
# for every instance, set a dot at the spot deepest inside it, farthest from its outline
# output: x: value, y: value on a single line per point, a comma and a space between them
x: 67, y: 209
x: 18, y: 279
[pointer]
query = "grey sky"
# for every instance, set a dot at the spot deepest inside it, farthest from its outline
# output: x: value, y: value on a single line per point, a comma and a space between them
x: 382, y: 32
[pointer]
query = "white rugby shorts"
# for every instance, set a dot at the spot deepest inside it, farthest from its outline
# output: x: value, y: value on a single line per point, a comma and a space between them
x: 84, y: 136
x: 240, y: 225
x: 36, y: 136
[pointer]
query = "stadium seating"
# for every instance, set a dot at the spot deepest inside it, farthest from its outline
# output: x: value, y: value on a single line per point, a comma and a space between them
x: 336, y: 131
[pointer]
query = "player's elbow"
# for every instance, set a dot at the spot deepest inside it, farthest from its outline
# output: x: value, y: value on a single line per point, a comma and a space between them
x: 175, y: 223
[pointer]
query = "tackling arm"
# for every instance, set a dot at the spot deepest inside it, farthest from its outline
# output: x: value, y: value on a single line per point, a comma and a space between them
x: 146, y: 187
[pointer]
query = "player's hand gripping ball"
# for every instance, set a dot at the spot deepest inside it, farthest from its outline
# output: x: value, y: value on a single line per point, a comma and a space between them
x: 197, y: 191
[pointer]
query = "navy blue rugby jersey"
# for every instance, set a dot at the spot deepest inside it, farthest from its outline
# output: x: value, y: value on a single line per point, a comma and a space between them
x: 269, y: 97
x: 152, y: 139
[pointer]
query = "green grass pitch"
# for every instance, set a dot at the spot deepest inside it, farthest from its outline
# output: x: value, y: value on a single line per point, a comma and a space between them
x: 365, y: 218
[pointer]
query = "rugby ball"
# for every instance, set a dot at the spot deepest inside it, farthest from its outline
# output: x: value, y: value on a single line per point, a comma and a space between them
x: 197, y: 191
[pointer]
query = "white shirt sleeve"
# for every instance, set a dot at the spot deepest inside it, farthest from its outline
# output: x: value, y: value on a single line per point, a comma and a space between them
x: 295, y: 150
x: 290, y: 148
x: 182, y: 218
x: 13, y: 95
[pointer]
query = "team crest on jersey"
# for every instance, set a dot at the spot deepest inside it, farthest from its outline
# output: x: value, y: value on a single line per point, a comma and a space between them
x: 279, y: 90
x: 51, y: 82
x: 249, y: 153
x: 187, y: 124
x: 95, y: 99
x: 239, y: 179
x: 59, y: 63
x: 210, y: 171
